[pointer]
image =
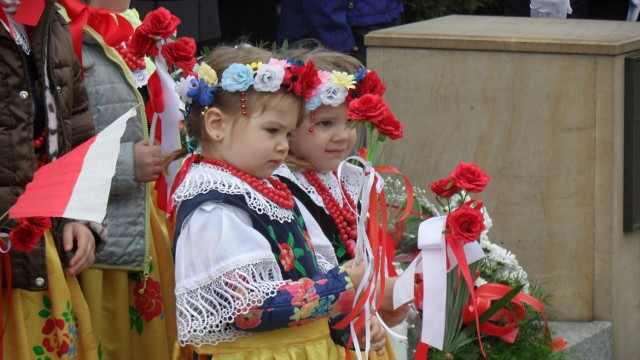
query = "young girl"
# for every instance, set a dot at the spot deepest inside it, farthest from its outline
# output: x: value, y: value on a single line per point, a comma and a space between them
x: 319, y: 146
x: 247, y: 279
x: 129, y: 289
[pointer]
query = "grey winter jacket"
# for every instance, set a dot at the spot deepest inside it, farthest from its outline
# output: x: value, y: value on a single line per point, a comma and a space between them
x: 111, y: 93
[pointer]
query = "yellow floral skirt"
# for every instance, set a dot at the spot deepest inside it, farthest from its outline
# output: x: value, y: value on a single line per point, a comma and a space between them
x: 135, y: 318
x: 50, y: 324
x: 310, y: 341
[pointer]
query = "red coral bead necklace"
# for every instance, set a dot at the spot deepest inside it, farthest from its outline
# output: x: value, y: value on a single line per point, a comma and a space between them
x: 132, y: 62
x: 342, y: 215
x: 278, y: 192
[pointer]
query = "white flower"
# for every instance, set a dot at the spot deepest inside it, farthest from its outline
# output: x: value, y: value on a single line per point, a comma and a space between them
x: 488, y: 223
x: 480, y: 281
x: 502, y: 256
x: 183, y: 85
x: 268, y: 78
x: 332, y: 94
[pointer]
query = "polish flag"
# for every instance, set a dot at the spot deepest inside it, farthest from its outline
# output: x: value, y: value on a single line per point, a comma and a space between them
x: 77, y: 185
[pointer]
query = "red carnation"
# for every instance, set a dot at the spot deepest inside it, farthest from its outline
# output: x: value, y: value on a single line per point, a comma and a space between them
x: 140, y: 45
x: 444, y: 187
x: 28, y: 232
x: 466, y: 223
x: 369, y: 107
x: 371, y: 84
x: 470, y: 177
x: 303, y: 79
x: 159, y: 24
x: 390, y: 126
x: 182, y: 53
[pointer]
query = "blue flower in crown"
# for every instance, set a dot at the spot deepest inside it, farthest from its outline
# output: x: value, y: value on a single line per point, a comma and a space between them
x: 201, y: 92
x: 238, y: 77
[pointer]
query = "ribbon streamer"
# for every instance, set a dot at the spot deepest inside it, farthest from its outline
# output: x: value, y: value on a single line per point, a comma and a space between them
x: 436, y: 258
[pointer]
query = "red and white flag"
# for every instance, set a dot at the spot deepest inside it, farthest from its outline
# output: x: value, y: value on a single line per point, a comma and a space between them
x: 77, y: 185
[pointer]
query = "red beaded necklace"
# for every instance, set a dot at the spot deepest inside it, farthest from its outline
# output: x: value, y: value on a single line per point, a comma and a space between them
x: 278, y: 192
x: 132, y: 62
x: 342, y: 215
x: 37, y: 143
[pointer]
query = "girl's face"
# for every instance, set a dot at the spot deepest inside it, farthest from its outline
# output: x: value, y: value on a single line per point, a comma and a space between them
x: 257, y: 144
x: 330, y: 142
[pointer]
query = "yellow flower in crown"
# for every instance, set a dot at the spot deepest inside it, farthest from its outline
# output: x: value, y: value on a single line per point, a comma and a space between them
x: 207, y: 73
x: 254, y: 66
x: 344, y: 79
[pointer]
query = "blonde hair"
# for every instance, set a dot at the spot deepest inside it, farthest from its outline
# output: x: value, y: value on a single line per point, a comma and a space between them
x: 229, y: 102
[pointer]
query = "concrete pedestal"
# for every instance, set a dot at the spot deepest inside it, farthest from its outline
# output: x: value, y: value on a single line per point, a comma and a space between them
x: 539, y: 104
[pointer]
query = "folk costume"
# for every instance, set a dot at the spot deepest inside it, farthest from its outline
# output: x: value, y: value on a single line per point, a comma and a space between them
x: 129, y: 288
x: 45, y: 114
x: 248, y: 283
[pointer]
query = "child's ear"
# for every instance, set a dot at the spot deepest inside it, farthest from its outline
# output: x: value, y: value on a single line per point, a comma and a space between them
x: 214, y: 124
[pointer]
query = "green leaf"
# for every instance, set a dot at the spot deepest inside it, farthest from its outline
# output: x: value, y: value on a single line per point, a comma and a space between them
x: 290, y: 241
x: 272, y: 232
x: 341, y: 251
x: 44, y: 313
x: 139, y: 325
x: 300, y: 268
x: 46, y: 301
x: 298, y: 252
x: 38, y: 350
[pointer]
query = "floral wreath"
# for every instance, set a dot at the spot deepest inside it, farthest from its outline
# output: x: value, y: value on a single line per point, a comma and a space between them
x: 201, y: 82
x: 363, y: 92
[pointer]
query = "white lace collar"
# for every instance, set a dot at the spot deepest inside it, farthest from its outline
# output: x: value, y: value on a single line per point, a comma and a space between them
x: 203, y: 178
x: 19, y: 32
x: 352, y: 178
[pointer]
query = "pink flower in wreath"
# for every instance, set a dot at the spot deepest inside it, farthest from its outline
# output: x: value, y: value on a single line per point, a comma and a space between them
x: 286, y: 257
x: 149, y: 302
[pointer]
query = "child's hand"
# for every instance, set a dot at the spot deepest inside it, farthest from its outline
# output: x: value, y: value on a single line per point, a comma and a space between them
x: 77, y: 233
x: 394, y: 317
x: 148, y: 161
x: 356, y: 273
x: 378, y: 340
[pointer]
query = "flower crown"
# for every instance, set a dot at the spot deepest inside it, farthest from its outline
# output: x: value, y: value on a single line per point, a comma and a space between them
x: 363, y: 92
x: 202, y: 82
x: 337, y: 87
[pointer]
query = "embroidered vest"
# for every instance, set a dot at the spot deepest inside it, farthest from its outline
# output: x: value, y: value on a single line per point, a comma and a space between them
x: 289, y: 241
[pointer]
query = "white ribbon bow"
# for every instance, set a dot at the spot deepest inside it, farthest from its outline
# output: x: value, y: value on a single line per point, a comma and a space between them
x: 432, y: 263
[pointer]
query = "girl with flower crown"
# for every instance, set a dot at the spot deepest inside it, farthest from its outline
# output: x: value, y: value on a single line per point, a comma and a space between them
x: 317, y: 148
x: 248, y: 282
x: 129, y: 288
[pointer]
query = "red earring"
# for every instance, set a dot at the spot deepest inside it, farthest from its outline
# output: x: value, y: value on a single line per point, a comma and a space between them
x: 243, y: 101
x: 312, y: 120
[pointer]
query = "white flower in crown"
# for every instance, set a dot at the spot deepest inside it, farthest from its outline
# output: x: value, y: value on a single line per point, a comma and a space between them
x: 332, y: 94
x: 183, y: 86
x: 268, y: 77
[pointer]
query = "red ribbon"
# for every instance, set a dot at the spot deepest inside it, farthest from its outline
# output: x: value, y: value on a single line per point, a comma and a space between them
x: 113, y: 28
x: 507, y: 332
x: 30, y: 11
x: 463, y: 268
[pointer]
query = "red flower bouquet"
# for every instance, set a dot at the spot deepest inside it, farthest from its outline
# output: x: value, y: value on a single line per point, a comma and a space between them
x: 492, y: 311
